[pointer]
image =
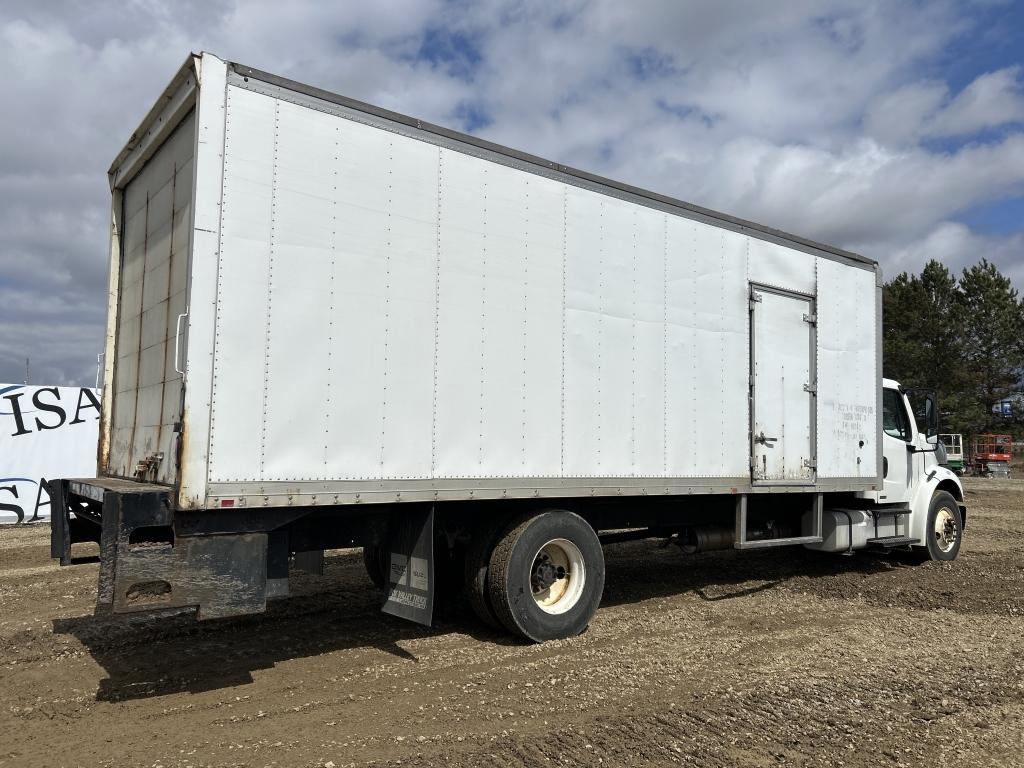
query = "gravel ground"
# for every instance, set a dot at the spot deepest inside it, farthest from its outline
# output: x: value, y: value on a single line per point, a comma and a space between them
x: 782, y: 657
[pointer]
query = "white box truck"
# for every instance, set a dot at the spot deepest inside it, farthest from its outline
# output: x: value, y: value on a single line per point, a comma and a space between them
x: 333, y: 325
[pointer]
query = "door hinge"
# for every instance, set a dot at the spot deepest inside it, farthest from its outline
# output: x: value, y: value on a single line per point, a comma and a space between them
x: 812, y: 319
x: 755, y: 297
x: 810, y: 464
x: 812, y: 388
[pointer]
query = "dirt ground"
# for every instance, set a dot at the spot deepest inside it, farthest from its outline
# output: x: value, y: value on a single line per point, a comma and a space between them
x: 780, y: 657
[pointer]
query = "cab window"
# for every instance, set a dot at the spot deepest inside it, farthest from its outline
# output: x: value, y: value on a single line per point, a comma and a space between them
x: 894, y: 416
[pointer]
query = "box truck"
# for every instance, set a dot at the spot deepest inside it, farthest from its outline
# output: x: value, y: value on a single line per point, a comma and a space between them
x: 332, y: 325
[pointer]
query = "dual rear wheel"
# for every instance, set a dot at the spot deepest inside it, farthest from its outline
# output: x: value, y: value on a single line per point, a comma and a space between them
x: 540, y: 577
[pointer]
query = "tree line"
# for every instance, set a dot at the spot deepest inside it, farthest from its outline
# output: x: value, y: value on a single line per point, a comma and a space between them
x: 961, y: 336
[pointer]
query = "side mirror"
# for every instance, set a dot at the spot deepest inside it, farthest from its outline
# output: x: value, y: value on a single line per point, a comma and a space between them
x: 932, y: 417
x: 925, y: 405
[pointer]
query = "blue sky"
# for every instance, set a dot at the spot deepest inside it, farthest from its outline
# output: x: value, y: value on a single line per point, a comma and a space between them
x: 892, y: 128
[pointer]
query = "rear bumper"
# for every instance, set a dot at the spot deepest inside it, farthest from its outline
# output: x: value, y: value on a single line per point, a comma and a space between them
x: 144, y: 564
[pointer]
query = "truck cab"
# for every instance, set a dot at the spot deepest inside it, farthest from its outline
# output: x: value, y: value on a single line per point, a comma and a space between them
x: 913, y: 475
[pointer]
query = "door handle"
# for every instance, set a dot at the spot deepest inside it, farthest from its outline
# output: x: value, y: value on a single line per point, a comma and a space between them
x: 762, y: 440
x: 177, y: 338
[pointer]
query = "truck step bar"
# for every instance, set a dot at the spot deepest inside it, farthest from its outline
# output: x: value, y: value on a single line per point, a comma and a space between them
x: 895, y: 511
x: 889, y: 542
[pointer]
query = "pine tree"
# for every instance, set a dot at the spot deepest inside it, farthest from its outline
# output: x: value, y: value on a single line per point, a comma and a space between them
x: 964, y: 339
x: 993, y: 329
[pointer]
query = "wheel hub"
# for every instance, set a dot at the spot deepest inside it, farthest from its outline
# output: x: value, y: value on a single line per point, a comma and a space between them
x: 545, y: 573
x: 945, y: 530
x: 557, y: 576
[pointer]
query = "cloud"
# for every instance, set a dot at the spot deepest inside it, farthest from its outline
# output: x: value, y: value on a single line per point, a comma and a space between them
x: 956, y: 246
x: 835, y: 120
x: 993, y: 99
x: 926, y: 109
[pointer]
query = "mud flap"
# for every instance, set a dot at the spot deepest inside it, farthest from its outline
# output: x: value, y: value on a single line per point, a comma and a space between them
x: 411, y: 565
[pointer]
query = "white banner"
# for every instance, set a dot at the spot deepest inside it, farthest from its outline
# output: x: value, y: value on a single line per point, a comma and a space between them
x: 45, y: 433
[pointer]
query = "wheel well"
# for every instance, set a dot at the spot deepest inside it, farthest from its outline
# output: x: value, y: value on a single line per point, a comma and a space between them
x: 954, y: 490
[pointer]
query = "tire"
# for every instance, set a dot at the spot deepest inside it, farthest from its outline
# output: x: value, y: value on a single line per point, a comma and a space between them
x: 546, y: 576
x: 376, y: 562
x: 944, y: 515
x: 477, y: 566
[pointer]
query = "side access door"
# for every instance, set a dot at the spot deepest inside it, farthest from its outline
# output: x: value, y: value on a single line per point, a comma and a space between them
x: 782, y: 387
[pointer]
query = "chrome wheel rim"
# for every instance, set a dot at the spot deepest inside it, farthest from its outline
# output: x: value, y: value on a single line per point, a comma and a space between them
x: 945, y: 529
x: 557, y: 576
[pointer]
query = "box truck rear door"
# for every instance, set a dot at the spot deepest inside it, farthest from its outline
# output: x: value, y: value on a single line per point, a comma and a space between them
x: 155, y: 244
x: 782, y: 384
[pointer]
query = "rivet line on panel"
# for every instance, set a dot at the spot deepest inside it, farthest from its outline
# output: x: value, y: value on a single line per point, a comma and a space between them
x: 565, y: 227
x: 437, y: 309
x: 483, y: 318
x: 633, y: 392
x: 600, y: 322
x: 330, y: 314
x: 270, y: 287
x: 721, y: 344
x: 749, y: 342
x: 216, y: 310
x: 813, y: 372
x: 664, y: 343
x: 692, y: 444
x: 526, y: 313
x: 387, y: 302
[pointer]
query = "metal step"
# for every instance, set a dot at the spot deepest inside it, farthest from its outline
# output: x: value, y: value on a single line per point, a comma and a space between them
x: 893, y: 509
x: 891, y: 541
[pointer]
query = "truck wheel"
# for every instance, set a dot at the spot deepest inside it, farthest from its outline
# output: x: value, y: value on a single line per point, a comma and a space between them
x: 944, y: 529
x: 478, y: 561
x: 375, y: 558
x: 546, y: 576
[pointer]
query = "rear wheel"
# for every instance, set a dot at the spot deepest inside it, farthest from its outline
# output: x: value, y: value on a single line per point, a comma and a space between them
x: 477, y: 566
x: 376, y: 562
x: 546, y: 576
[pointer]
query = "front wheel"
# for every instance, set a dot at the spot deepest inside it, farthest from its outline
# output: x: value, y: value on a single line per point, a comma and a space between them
x: 546, y: 576
x: 944, y: 530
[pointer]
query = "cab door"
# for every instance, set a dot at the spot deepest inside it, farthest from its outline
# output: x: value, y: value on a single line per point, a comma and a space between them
x: 897, y: 437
